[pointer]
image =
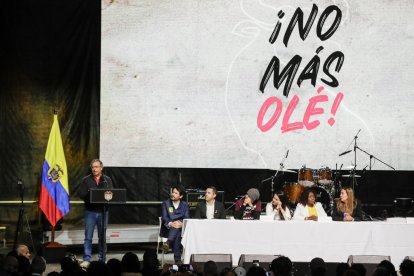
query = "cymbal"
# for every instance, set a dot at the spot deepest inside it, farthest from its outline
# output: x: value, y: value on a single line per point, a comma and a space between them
x: 350, y: 167
x: 284, y: 170
x: 290, y: 171
x: 350, y: 175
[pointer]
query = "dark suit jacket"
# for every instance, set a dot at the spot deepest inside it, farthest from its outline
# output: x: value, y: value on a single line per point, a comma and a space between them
x: 169, y: 213
x: 88, y: 182
x: 201, y: 210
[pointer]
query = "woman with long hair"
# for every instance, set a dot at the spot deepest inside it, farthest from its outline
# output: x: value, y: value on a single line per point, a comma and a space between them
x: 278, y: 208
x: 347, y: 207
x: 308, y: 208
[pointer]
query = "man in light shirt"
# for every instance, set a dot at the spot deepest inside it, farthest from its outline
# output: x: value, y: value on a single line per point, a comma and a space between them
x: 210, y: 208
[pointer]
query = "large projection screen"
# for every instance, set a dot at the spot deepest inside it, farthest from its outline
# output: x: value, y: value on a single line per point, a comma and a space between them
x: 195, y: 83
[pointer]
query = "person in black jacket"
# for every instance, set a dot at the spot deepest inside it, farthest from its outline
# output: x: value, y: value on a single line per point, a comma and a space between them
x: 210, y: 208
x: 93, y: 212
x: 249, y: 207
x: 347, y: 207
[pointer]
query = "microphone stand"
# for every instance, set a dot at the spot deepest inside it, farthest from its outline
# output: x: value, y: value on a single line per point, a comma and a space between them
x: 354, y: 182
x: 354, y: 140
x: 370, y: 160
x: 337, y: 185
x: 276, y: 174
x: 22, y: 221
x: 105, y: 209
x: 373, y: 157
x: 234, y: 203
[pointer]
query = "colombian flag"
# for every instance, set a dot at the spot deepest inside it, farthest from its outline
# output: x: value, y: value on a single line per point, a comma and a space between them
x: 54, y: 192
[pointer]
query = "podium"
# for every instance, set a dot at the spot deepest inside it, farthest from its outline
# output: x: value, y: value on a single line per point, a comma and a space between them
x: 105, y: 197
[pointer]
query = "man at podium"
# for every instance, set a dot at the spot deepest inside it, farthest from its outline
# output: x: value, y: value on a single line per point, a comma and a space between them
x: 93, y: 212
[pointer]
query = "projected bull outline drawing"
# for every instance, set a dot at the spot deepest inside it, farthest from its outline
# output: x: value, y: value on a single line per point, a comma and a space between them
x: 251, y: 29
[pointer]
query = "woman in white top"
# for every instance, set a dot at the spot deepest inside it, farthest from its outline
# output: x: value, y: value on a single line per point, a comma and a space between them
x: 278, y: 208
x: 308, y: 208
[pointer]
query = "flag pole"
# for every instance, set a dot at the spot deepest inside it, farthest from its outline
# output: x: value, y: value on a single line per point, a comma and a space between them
x: 55, y: 112
x: 53, y: 251
x: 53, y: 233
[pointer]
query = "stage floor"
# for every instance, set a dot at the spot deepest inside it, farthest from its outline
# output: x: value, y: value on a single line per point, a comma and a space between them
x: 116, y: 233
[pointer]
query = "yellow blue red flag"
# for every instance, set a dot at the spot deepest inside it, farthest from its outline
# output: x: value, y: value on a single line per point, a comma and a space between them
x: 54, y: 192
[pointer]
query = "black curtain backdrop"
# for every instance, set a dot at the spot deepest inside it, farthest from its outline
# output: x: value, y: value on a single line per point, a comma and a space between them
x: 50, y: 59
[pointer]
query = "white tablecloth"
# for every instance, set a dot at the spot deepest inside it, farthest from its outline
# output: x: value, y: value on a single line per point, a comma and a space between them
x: 299, y: 240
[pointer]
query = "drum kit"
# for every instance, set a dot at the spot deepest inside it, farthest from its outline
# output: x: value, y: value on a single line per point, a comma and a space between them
x: 325, y: 183
x: 322, y: 181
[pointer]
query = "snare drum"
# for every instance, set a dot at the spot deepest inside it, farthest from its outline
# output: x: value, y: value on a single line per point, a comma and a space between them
x: 293, y: 191
x: 305, y: 177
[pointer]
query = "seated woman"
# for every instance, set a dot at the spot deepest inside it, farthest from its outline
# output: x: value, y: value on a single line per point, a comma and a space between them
x: 249, y: 207
x: 278, y: 208
x: 308, y: 208
x: 347, y: 207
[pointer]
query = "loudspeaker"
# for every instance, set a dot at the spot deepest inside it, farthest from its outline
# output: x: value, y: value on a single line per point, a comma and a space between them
x: 302, y: 268
x: 403, y: 207
x: 52, y: 254
x: 370, y: 262
x: 222, y: 261
x: 331, y: 269
x: 193, y: 197
x: 263, y: 261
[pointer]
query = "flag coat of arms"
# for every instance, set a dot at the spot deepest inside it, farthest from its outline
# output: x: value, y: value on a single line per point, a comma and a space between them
x: 54, y: 192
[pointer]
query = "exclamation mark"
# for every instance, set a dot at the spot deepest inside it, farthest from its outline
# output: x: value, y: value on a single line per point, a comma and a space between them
x: 335, y: 106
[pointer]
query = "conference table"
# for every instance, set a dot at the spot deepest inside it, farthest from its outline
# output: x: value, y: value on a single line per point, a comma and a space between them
x: 301, y: 241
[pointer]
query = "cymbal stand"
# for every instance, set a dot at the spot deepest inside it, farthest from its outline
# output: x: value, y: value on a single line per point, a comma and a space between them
x: 337, y: 184
x: 281, y: 168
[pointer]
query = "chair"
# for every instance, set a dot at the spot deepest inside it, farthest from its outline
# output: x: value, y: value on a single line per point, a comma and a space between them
x: 161, y: 240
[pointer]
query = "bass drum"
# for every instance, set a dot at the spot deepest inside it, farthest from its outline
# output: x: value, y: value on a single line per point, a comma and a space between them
x: 324, y: 197
x: 293, y: 191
